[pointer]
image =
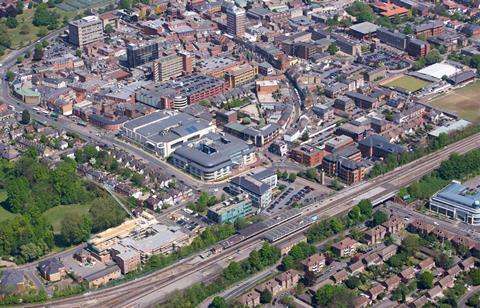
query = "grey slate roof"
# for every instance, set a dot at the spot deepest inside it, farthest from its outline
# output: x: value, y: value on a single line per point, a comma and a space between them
x: 379, y: 142
x: 250, y: 184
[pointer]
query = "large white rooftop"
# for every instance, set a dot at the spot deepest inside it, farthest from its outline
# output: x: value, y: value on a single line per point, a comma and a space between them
x: 438, y: 70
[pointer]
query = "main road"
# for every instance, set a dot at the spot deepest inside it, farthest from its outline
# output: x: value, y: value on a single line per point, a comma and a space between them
x: 148, y: 290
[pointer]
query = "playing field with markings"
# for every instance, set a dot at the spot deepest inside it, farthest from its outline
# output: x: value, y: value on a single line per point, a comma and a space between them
x: 464, y: 101
x: 409, y: 83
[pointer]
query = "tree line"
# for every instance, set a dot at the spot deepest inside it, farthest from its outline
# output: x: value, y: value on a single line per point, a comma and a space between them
x: 266, y: 256
x: 393, y: 161
x: 326, y: 228
x: 456, y: 167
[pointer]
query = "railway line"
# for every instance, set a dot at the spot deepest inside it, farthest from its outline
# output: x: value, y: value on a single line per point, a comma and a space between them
x: 129, y: 293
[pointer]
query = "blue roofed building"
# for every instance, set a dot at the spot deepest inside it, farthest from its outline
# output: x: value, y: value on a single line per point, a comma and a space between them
x: 458, y: 202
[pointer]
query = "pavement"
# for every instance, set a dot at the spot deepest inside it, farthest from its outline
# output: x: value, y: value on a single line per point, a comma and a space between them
x: 462, y: 302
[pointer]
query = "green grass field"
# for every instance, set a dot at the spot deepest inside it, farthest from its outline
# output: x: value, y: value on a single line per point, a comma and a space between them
x: 463, y: 101
x: 409, y: 83
x: 55, y: 215
x: 4, y: 214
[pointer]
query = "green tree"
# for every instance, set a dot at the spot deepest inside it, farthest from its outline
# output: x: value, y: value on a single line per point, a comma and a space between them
x: 332, y: 49
x: 10, y: 76
x: 288, y: 263
x: 78, y: 53
x: 218, y: 302
x: 353, y: 282
x: 408, y: 30
x: 42, y: 31
x: 19, y: 7
x: 475, y: 276
x: 292, y: 177
x: 105, y: 215
x: 5, y: 39
x: 365, y: 207
x: 75, y: 229
x: 425, y: 280
x: 109, y: 29
x: 138, y: 179
x: 379, y: 217
x: 266, y: 297
x: 474, y: 300
x: 11, y: 22
x: 433, y: 57
x: 44, y: 17
x: 324, y: 295
x: 19, y: 59
x: 362, y: 11
x: 30, y: 252
x: 410, y: 244
x: 125, y: 4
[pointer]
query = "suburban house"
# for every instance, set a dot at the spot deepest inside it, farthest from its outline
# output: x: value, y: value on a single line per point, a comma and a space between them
x: 375, y: 235
x: 407, y: 274
x: 271, y: 285
x: 250, y: 299
x: 356, y: 267
x: 346, y: 247
x: 314, y: 263
x: 392, y: 283
x: 426, y: 265
x: 394, y: 225
x: 52, y: 269
x: 375, y: 291
x: 340, y: 276
x: 288, y: 279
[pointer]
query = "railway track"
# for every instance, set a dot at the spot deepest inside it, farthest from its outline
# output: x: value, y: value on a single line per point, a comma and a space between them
x: 126, y: 295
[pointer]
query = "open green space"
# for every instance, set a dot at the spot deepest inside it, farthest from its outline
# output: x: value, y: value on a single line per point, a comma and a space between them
x: 409, y: 83
x: 463, y: 101
x: 4, y: 214
x: 56, y: 214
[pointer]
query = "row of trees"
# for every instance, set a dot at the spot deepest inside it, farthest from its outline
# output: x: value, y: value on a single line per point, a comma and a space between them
x: 193, y: 296
x: 328, y: 227
x: 456, y: 167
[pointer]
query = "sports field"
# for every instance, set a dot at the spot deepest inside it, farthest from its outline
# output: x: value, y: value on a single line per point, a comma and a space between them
x: 409, y: 83
x: 463, y: 101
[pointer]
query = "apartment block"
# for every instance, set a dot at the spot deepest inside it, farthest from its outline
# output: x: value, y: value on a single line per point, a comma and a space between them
x: 85, y: 31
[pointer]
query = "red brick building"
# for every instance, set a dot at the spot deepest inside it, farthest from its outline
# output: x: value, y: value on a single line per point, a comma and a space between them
x: 307, y: 155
